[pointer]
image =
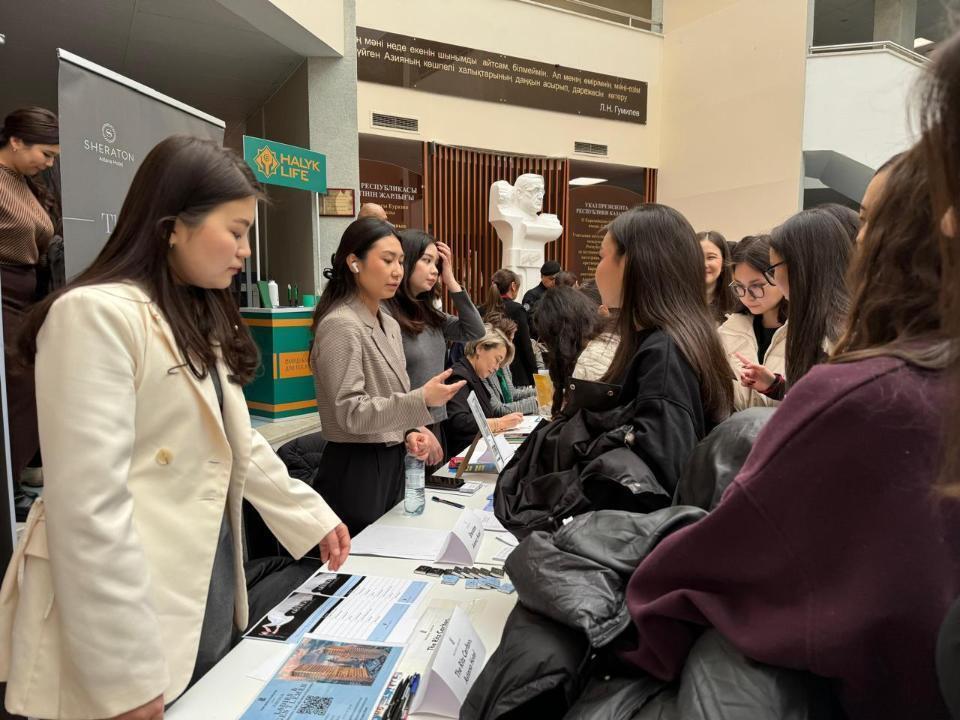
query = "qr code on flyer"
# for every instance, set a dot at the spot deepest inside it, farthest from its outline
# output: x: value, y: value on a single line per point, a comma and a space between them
x: 314, y: 706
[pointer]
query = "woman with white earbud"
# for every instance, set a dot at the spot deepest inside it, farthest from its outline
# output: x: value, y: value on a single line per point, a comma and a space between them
x: 368, y: 413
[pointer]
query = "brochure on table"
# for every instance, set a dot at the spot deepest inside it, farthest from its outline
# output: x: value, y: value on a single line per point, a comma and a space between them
x: 345, y: 607
x: 327, y: 678
x: 458, y: 546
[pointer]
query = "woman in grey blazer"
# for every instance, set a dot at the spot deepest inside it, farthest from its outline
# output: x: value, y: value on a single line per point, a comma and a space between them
x: 368, y: 413
x: 425, y: 328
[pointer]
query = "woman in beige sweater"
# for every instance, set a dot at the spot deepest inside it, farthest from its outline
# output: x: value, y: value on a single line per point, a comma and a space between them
x: 759, y: 331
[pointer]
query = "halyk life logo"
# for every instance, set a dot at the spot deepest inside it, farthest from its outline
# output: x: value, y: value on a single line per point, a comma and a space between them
x: 267, y: 161
x: 106, y: 150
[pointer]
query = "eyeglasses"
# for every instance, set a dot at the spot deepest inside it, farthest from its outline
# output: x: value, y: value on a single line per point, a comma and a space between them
x: 754, y: 291
x: 768, y: 273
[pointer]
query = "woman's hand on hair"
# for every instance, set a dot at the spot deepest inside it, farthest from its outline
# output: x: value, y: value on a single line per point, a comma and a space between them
x: 335, y: 547
x: 436, y: 393
x: 754, y: 376
x: 152, y: 710
x: 446, y: 270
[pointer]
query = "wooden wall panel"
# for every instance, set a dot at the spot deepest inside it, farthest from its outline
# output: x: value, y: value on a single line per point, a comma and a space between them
x: 459, y: 181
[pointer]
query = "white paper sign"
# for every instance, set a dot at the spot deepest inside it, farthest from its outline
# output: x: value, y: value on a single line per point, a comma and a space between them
x: 464, y: 540
x: 458, y: 546
x: 456, y: 663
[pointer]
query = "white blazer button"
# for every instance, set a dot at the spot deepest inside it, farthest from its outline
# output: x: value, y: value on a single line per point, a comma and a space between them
x: 164, y: 457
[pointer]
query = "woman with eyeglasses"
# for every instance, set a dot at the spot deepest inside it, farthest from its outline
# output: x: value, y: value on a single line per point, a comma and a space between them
x: 757, y: 332
x: 809, y: 255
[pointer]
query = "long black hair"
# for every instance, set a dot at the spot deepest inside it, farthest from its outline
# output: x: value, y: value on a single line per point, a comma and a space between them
x: 817, y: 250
x: 723, y: 301
x: 663, y: 288
x: 566, y: 321
x: 182, y: 178
x: 415, y: 313
x: 357, y: 239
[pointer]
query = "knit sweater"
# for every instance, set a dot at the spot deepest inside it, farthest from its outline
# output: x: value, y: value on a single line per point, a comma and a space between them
x: 426, y: 352
x: 829, y: 553
x: 25, y: 227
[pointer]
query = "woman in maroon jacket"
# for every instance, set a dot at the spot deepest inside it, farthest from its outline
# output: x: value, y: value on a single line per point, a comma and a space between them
x: 830, y: 552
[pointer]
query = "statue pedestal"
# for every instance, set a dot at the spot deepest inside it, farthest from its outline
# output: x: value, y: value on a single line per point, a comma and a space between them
x: 524, y: 245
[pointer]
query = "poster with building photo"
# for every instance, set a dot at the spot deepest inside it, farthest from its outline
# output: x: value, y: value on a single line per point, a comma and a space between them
x: 329, y: 679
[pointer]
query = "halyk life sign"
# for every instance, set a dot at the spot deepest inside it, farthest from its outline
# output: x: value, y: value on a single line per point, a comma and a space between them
x: 277, y: 163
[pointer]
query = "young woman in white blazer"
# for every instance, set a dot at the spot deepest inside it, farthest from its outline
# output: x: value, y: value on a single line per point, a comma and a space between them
x: 148, y: 452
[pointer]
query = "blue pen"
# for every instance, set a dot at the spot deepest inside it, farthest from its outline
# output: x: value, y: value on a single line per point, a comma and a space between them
x: 413, y: 691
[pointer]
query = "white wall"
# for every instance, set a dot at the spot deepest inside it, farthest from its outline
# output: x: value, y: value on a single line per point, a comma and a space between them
x: 733, y: 79
x: 529, y: 32
x: 857, y: 104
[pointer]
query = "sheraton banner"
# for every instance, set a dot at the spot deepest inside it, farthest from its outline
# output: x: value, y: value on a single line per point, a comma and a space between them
x: 108, y: 124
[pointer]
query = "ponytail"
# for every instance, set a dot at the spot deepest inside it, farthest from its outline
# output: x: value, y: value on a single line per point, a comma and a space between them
x: 499, y: 286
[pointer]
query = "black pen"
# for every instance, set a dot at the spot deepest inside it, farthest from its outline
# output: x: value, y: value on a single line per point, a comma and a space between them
x: 397, y: 701
x: 394, y: 699
x: 447, y: 502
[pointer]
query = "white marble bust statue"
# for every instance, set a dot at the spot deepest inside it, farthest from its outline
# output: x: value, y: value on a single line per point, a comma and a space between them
x: 516, y: 214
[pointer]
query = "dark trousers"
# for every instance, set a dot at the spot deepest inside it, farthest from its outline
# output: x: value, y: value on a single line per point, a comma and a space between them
x: 18, y: 285
x: 361, y: 481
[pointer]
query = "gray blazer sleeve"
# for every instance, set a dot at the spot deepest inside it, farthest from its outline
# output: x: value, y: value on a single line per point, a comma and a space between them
x: 342, y: 375
x: 467, y: 324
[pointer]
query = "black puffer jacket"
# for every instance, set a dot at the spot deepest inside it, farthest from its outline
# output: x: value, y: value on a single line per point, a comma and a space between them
x: 716, y: 460
x: 556, y: 658
x: 626, y: 458
x: 302, y: 457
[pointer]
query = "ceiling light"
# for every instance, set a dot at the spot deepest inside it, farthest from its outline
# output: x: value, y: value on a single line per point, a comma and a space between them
x: 587, y: 181
x: 921, y: 42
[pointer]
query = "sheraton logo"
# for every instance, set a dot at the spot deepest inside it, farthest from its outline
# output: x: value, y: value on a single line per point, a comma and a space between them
x: 106, y: 150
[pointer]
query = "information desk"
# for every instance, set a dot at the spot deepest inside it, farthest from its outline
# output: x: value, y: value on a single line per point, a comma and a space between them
x: 226, y: 691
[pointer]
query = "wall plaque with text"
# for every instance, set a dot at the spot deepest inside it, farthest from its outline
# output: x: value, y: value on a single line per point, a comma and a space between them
x: 590, y: 210
x: 418, y: 64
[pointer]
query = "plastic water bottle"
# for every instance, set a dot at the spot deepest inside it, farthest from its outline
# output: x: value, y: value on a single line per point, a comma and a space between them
x: 413, y: 494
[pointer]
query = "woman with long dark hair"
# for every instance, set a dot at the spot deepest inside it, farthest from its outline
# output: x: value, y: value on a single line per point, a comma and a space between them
x: 828, y: 553
x: 566, y: 321
x: 29, y: 144
x: 502, y: 300
x: 648, y: 261
x: 718, y: 276
x: 127, y: 582
x: 369, y: 415
x: 940, y: 141
x: 426, y: 329
x: 759, y: 331
x: 809, y: 257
